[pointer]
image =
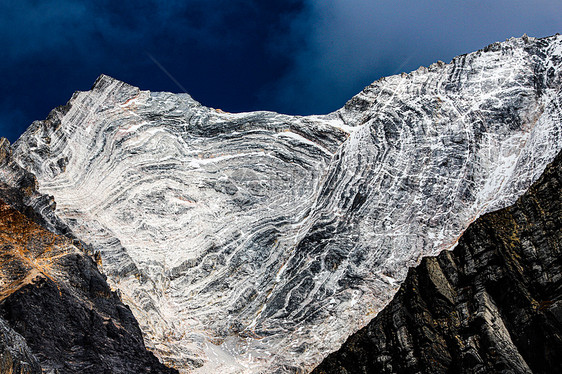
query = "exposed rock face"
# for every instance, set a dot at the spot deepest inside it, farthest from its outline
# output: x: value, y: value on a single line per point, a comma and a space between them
x: 493, y: 305
x: 53, y: 296
x: 257, y: 242
x: 15, y: 355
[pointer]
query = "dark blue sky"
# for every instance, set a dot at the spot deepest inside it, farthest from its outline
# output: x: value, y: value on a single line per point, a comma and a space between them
x: 290, y: 56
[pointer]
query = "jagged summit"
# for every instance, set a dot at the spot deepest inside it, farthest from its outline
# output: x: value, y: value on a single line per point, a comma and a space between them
x: 103, y: 81
x: 257, y: 242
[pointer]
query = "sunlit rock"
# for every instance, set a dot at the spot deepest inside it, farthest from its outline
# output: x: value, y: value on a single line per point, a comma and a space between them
x: 258, y: 242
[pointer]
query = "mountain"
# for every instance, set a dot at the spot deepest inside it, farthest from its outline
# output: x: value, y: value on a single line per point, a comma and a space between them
x: 57, y: 313
x: 492, y: 305
x: 258, y: 242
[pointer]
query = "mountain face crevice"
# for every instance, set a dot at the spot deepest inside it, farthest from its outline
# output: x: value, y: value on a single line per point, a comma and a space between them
x: 492, y: 305
x: 57, y: 312
x: 258, y: 242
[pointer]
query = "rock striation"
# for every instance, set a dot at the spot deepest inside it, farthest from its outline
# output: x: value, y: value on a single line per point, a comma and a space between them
x: 57, y: 312
x: 258, y: 242
x: 15, y: 356
x: 493, y: 305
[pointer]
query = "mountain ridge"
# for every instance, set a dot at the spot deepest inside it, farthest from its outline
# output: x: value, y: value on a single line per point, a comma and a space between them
x: 57, y: 312
x: 492, y: 305
x: 314, y: 198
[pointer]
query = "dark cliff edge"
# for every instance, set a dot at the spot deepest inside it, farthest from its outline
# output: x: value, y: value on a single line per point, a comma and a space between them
x: 492, y: 305
x: 57, y: 312
x: 15, y: 355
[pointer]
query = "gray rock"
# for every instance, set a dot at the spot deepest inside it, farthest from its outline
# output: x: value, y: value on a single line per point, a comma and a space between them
x: 15, y: 355
x: 492, y: 305
x: 258, y: 242
x: 57, y: 312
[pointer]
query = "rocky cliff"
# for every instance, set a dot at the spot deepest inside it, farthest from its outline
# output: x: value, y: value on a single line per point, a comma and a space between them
x: 57, y: 312
x: 15, y: 356
x: 258, y: 242
x: 493, y: 305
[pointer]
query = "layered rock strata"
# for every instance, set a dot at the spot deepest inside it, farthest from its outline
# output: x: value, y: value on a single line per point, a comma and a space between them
x: 58, y: 314
x: 258, y: 242
x: 493, y: 305
x: 15, y: 356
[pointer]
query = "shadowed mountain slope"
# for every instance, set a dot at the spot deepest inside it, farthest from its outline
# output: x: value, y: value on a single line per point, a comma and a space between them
x: 492, y: 305
x: 53, y: 296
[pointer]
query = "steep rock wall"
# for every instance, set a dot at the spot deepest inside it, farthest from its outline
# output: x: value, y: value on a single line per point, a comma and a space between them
x: 57, y: 312
x: 493, y: 305
x: 257, y: 242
